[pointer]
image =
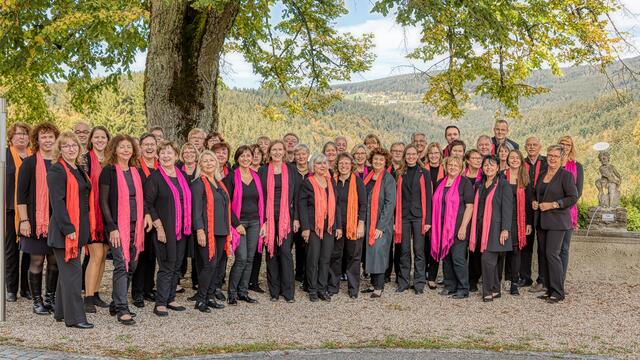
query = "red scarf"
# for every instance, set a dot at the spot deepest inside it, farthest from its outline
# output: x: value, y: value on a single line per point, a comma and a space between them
x: 486, y: 218
x: 521, y: 213
x: 97, y: 232
x: 17, y: 162
x: 537, y: 171
x: 324, y: 206
x: 42, y: 198
x: 375, y: 197
x: 145, y: 168
x: 423, y: 203
x: 124, y: 213
x: 440, y: 172
x: 352, y: 209
x: 72, y: 197
x: 284, y: 227
x: 211, y: 242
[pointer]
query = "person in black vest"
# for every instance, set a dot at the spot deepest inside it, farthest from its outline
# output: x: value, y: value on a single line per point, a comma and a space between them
x: 556, y: 193
x: 17, y: 266
x: 412, y: 218
x: 491, y: 225
x: 32, y: 198
x: 69, y: 229
x: 352, y: 197
x: 536, y: 165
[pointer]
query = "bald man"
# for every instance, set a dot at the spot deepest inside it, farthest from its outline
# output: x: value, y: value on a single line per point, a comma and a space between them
x: 82, y: 131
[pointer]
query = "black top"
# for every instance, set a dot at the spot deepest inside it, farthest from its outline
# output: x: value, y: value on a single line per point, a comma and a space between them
x: 249, y: 210
x: 60, y: 224
x: 294, y: 184
x: 26, y: 193
x: 501, y: 214
x: 277, y: 191
x: 159, y: 204
x: 342, y: 189
x: 433, y: 171
x: 532, y: 170
x: 306, y: 206
x: 11, y: 182
x: 466, y: 196
x: 561, y: 189
x: 411, y: 195
x: 220, y: 211
x: 109, y: 196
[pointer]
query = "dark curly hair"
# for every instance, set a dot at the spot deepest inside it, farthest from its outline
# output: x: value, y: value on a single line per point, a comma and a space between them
x: 45, y: 127
x: 382, y: 152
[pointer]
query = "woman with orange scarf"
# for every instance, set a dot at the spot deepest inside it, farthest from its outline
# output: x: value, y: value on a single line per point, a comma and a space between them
x: 320, y: 223
x: 98, y: 243
x: 491, y: 225
x: 32, y: 198
x: 280, y: 182
x: 70, y: 227
x: 16, y: 269
x: 353, y: 210
x: 381, y: 202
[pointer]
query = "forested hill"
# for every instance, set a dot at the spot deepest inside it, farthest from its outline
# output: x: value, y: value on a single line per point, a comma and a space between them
x: 579, y: 104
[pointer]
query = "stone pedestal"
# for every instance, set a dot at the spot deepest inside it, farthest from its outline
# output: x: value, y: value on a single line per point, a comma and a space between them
x: 607, y: 219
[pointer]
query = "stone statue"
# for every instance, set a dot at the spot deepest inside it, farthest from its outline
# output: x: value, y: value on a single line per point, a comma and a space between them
x: 609, y: 183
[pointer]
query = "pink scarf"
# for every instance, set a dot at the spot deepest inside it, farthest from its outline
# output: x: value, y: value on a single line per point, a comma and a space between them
x: 236, y: 205
x: 284, y: 227
x: 94, y: 177
x: 478, y: 175
x: 186, y: 194
x: 486, y: 218
x: 572, y: 167
x: 124, y: 215
x: 443, y: 234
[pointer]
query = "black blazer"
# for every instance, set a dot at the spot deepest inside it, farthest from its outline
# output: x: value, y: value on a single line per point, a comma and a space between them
x: 413, y: 204
x: 26, y: 194
x: 159, y: 204
x: 501, y: 215
x: 511, y: 142
x: 60, y: 224
x: 109, y: 197
x: 199, y: 205
x: 307, y: 210
x: 562, y: 190
x: 342, y: 189
x: 294, y: 186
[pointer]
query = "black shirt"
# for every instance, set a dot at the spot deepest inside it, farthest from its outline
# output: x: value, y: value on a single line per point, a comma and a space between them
x: 133, y: 207
x: 249, y: 209
x: 342, y: 188
x: 434, y: 176
x: 277, y: 190
x: 408, y: 192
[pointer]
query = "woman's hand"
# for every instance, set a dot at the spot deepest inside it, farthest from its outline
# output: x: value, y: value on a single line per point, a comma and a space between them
x: 202, y: 238
x: 72, y: 236
x: 360, y: 230
x: 546, y: 206
x: 462, y: 233
x: 529, y: 230
x: 427, y: 227
x: 378, y: 234
x: 339, y: 234
x: 162, y: 237
x: 504, y: 235
x: 25, y: 228
x: 305, y: 235
x: 114, y: 238
x: 535, y: 205
x: 241, y: 230
x: 148, y: 223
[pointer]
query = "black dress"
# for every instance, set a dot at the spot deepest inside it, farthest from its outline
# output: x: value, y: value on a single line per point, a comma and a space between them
x: 26, y: 195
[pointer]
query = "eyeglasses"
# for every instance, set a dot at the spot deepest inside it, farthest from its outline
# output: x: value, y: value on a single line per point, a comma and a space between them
x: 21, y: 134
x: 69, y: 146
x: 78, y: 132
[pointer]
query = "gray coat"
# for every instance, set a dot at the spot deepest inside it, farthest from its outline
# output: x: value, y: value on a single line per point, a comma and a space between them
x: 377, y: 258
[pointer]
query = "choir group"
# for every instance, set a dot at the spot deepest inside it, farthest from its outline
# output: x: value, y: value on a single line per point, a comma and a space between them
x: 353, y: 216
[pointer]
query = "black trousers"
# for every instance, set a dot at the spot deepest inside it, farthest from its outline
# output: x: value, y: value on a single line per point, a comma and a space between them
x: 564, y: 253
x: 394, y: 260
x: 122, y: 276
x: 254, y: 280
x: 377, y: 281
x: 432, y: 264
x: 475, y: 265
x: 553, y: 271
x: 412, y: 230
x: 319, y: 252
x: 208, y: 269
x: 513, y: 264
x: 69, y: 304
x: 526, y: 258
x: 169, y: 258
x: 455, y: 268
x: 301, y: 256
x: 352, y: 251
x: 490, y: 280
x: 16, y: 269
x: 221, y: 270
x: 144, y: 277
x: 280, y: 277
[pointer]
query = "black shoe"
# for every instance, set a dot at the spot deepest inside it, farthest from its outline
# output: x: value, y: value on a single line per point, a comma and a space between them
x: 367, y: 290
x: 418, y: 291
x: 375, y: 295
x: 497, y: 296
x: 353, y: 297
x: 82, y: 325
x: 514, y: 289
x: 401, y: 289
x: 343, y: 277
x: 89, y: 306
x: 12, y: 297
x: 149, y: 297
x: 256, y: 288
x: 324, y: 297
x: 97, y: 301
x: 212, y: 303
x: 192, y: 298
x: 524, y: 283
x: 487, y: 299
x: 160, y: 313
x: 194, y: 287
x: 202, y: 307
x: 473, y: 288
x: 26, y: 294
x: 220, y: 296
x: 49, y: 301
x: 446, y: 292
x: 460, y: 295
x: 232, y: 300
x: 290, y: 301
x: 274, y: 298
x: 554, y: 300
x: 543, y: 296
x: 314, y: 298
x: 128, y: 321
x: 139, y: 303
x: 247, y: 298
x: 176, y: 308
x: 180, y: 291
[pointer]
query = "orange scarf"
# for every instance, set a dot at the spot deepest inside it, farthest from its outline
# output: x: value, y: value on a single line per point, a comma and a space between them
x: 145, y: 168
x: 324, y: 207
x: 72, y: 197
x: 42, y: 198
x: 440, y: 172
x: 211, y: 241
x: 352, y: 209
x: 423, y: 204
x: 17, y: 162
x: 375, y: 197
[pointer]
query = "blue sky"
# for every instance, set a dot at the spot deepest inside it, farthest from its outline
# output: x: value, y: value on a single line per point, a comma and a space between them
x: 392, y: 43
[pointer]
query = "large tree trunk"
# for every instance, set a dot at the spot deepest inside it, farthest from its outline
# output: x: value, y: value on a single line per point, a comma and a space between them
x: 183, y: 59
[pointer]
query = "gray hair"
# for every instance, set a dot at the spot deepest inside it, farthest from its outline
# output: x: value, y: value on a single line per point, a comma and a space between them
x: 558, y: 148
x: 317, y: 158
x: 413, y: 136
x: 301, y: 147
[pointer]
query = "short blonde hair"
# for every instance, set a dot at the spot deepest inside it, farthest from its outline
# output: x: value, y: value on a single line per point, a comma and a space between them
x: 454, y: 159
x: 166, y: 144
x: 63, y: 138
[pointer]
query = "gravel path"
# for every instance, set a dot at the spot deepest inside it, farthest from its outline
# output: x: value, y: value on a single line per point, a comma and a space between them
x: 597, y: 318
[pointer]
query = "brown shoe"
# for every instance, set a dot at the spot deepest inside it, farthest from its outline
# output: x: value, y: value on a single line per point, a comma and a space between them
x: 537, y: 288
